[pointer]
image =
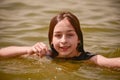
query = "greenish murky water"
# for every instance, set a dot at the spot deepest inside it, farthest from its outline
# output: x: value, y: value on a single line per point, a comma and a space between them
x: 25, y: 22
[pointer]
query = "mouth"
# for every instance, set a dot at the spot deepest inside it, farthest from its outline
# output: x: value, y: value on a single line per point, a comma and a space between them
x: 64, y: 48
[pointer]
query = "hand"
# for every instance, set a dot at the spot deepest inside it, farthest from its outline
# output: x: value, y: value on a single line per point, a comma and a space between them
x: 40, y: 49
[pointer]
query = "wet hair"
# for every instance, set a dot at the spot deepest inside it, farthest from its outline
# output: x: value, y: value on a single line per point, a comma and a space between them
x: 74, y: 22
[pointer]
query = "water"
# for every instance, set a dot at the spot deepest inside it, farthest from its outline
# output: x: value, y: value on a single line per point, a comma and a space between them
x: 25, y: 22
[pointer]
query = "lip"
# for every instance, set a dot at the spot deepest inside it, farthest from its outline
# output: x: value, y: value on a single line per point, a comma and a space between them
x: 65, y: 48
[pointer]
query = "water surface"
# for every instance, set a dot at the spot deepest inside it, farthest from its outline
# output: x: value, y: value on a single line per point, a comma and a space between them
x: 25, y: 22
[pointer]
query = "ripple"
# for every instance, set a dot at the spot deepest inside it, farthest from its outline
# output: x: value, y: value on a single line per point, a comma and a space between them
x: 25, y: 22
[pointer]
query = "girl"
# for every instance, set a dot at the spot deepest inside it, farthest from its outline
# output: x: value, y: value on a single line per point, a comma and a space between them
x: 66, y: 41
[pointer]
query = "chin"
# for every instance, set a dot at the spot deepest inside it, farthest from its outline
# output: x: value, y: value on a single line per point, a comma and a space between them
x: 64, y: 55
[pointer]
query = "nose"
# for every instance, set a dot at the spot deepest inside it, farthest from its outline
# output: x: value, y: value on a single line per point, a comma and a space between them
x: 63, y: 39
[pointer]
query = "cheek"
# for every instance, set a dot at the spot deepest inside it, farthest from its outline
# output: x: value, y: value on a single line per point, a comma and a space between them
x: 55, y: 42
x: 55, y: 45
x: 74, y: 43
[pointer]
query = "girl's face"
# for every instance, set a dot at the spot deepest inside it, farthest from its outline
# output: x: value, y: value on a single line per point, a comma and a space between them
x: 65, y: 39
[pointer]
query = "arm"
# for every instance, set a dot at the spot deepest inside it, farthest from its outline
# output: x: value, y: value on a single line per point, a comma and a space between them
x: 39, y: 48
x: 13, y: 51
x: 106, y: 62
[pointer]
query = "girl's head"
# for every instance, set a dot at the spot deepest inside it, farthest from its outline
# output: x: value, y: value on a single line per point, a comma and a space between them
x: 65, y: 35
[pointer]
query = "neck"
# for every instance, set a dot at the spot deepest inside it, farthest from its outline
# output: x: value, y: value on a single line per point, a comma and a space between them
x: 75, y: 54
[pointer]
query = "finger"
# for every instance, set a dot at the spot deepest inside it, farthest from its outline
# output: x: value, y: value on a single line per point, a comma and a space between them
x: 48, y: 53
x: 31, y: 51
x: 34, y: 50
x: 38, y: 50
x: 44, y: 46
x: 43, y: 53
x: 41, y: 50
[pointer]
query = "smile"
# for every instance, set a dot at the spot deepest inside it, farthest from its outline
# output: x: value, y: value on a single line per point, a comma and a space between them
x: 65, y: 48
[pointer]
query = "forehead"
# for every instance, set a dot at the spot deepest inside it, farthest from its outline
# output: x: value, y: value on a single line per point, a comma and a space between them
x: 63, y: 25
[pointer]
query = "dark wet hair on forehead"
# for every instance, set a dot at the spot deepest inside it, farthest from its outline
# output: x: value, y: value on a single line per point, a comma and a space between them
x: 74, y: 22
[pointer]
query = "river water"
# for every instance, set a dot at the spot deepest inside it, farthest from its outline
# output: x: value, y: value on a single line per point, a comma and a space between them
x: 25, y: 22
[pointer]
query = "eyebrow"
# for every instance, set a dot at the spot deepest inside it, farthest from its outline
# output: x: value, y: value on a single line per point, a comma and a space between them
x: 67, y: 31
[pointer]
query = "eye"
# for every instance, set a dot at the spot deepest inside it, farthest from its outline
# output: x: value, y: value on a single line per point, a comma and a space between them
x: 70, y: 35
x: 58, y: 35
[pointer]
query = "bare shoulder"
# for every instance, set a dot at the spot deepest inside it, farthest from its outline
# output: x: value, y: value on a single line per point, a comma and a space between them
x: 106, y: 62
x: 98, y: 59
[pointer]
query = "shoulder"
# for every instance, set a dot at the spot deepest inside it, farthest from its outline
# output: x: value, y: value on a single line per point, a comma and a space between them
x: 99, y: 60
x: 106, y: 62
